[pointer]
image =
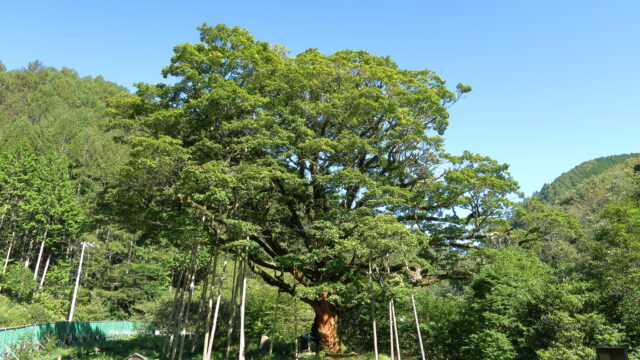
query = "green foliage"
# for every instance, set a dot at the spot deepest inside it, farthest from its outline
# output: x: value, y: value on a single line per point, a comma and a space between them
x: 517, y: 311
x: 317, y: 166
x: 275, y: 314
x: 322, y: 163
x: 614, y: 269
x: 13, y: 314
x: 18, y: 281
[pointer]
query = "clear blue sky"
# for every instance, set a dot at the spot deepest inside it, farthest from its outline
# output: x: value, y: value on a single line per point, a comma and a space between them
x: 555, y: 82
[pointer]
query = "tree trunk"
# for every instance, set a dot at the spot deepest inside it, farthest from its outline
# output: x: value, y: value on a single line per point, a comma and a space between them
x: 44, y: 272
x: 6, y: 259
x: 325, y: 325
x: 27, y: 253
x: 37, y: 269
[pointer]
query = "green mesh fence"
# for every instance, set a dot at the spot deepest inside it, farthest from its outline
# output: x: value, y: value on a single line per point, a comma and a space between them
x: 75, y: 332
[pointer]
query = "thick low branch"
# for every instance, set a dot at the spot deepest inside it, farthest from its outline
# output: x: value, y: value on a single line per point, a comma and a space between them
x: 280, y: 284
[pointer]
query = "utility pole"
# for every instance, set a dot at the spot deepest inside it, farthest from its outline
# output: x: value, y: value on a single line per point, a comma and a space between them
x: 75, y: 289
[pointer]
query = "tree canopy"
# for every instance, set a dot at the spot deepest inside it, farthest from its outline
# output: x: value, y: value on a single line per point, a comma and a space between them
x: 324, y: 163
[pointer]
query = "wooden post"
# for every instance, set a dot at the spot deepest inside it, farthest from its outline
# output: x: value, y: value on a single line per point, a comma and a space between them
x: 295, y: 324
x: 415, y: 315
x: 75, y: 289
x: 185, y: 321
x: 169, y: 338
x: 242, y: 309
x: 391, y: 332
x: 212, y: 334
x: 395, y: 328
x: 373, y: 312
x: 206, y: 300
x: 234, y: 309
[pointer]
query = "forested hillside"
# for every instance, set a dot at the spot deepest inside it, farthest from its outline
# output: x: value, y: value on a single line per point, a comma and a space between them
x: 262, y: 194
x: 568, y: 181
x: 55, y: 158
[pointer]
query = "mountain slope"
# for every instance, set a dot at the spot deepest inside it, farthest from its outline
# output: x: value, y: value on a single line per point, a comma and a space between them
x: 570, y: 180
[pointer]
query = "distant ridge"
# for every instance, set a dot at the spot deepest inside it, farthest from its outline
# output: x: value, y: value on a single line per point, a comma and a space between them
x: 570, y: 180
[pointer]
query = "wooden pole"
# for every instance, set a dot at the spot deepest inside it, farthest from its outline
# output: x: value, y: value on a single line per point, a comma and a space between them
x: 75, y: 289
x: 295, y: 323
x: 373, y: 312
x: 391, y: 332
x: 177, y: 328
x: 415, y: 315
x: 395, y: 328
x: 234, y: 308
x: 174, y: 309
x: 212, y: 334
x: 185, y: 321
x: 206, y: 300
x: 242, y: 310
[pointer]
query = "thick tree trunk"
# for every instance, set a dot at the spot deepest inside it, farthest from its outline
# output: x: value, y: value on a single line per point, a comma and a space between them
x: 325, y: 325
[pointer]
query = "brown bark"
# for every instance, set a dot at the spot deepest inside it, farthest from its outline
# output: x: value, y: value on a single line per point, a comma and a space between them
x: 325, y: 325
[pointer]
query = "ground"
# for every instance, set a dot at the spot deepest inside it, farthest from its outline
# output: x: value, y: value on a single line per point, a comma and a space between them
x: 150, y: 346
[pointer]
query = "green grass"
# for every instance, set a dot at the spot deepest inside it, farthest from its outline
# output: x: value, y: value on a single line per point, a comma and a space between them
x: 151, y: 347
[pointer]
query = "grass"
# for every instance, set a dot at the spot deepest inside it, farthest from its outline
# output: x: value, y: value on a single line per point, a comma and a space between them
x: 151, y: 347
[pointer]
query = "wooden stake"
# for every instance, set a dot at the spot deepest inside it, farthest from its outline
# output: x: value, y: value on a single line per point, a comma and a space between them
x: 373, y: 313
x: 415, y: 316
x: 234, y: 308
x: 168, y: 340
x: 212, y: 334
x: 75, y: 289
x: 242, y: 308
x: 395, y: 328
x: 202, y: 314
x: 185, y: 321
x: 391, y: 332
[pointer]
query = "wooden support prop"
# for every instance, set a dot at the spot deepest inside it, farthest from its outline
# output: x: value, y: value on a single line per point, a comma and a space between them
x: 212, y: 333
x: 373, y: 312
x: 241, y: 348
